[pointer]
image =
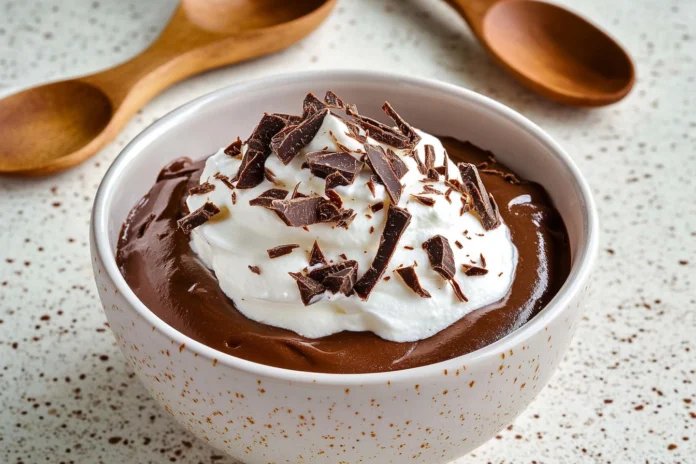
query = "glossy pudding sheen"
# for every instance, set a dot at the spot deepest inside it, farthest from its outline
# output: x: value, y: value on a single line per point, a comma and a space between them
x: 156, y: 256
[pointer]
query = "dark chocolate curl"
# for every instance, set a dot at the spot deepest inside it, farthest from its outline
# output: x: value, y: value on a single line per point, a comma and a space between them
x: 267, y: 197
x: 311, y: 105
x: 403, y: 126
x: 410, y: 278
x: 332, y: 100
x: 324, y: 163
x: 321, y: 273
x: 309, y: 288
x: 198, y: 217
x: 440, y: 255
x: 397, y: 164
x: 379, y: 163
x: 398, y: 220
x: 486, y: 209
x: 342, y: 281
x: 298, y: 212
x: 298, y: 137
x: 316, y: 256
x: 251, y: 170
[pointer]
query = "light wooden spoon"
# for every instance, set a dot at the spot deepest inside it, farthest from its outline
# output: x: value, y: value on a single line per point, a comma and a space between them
x: 551, y: 50
x: 53, y: 127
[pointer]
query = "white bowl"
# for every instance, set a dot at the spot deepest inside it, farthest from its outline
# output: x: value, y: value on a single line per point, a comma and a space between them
x: 258, y: 413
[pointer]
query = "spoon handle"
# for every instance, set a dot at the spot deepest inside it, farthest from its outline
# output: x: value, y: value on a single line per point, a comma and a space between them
x: 184, y: 49
x: 473, y: 11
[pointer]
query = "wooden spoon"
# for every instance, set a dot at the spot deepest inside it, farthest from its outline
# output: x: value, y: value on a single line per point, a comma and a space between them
x: 56, y: 126
x: 552, y: 51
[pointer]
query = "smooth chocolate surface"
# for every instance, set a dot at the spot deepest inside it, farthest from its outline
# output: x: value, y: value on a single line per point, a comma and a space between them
x: 159, y: 265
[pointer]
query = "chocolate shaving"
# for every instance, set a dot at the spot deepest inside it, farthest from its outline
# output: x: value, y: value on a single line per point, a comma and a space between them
x: 371, y: 186
x: 382, y: 133
x: 421, y: 167
x: 429, y: 157
x: 466, y: 207
x: 255, y: 269
x: 440, y: 255
x: 316, y: 256
x: 379, y: 163
x: 459, y: 244
x: 309, y: 288
x: 332, y: 101
x: 342, y: 281
x: 321, y: 273
x: 398, y: 220
x: 198, y: 217
x: 431, y: 172
x: 234, y: 198
x: 290, y: 119
x: 334, y: 198
x: 294, y: 140
x: 311, y: 105
x: 444, y: 169
x: 234, y: 149
x: 339, y: 145
x: 205, y: 187
x: 455, y: 185
x: 379, y: 131
x: 410, y: 278
x: 270, y: 176
x: 281, y: 250
x: 225, y: 180
x: 346, y: 219
x: 298, y: 212
x: 448, y: 192
x: 328, y: 212
x: 354, y: 132
x: 483, y: 260
x: 324, y: 163
x: 334, y: 180
x: 266, y: 198
x: 397, y: 164
x: 431, y: 190
x: 484, y: 207
x: 403, y: 126
x: 377, y: 207
x: 427, y: 201
x: 458, y: 291
x: 296, y: 192
x: 474, y: 270
x: 251, y: 170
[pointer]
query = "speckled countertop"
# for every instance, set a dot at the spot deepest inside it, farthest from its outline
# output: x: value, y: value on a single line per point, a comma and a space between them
x: 626, y: 391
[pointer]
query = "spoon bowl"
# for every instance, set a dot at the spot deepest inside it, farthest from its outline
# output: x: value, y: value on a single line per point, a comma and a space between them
x: 55, y: 126
x: 557, y: 53
x: 41, y: 123
x: 551, y: 50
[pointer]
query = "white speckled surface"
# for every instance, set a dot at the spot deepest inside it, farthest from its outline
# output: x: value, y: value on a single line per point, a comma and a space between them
x: 625, y: 392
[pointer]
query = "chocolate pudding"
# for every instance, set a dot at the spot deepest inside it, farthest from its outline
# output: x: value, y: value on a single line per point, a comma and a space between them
x: 156, y: 257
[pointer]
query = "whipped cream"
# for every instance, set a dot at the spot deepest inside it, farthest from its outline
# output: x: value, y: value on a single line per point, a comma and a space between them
x: 242, y: 234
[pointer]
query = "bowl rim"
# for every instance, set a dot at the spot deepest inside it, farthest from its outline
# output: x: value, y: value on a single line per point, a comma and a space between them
x: 579, y: 272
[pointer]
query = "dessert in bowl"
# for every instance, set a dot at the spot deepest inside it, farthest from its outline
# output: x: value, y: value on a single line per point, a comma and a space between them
x: 338, y: 288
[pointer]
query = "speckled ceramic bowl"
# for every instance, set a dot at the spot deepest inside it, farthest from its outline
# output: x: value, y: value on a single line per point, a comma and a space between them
x: 258, y: 413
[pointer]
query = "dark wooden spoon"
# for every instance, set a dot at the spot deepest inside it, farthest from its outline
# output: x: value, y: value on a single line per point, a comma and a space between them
x: 551, y: 50
x: 53, y: 127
